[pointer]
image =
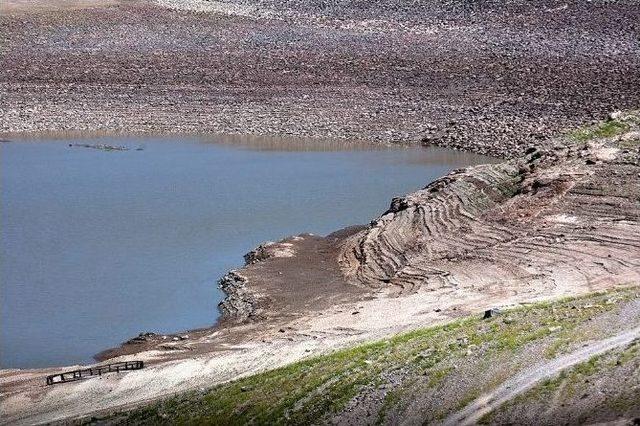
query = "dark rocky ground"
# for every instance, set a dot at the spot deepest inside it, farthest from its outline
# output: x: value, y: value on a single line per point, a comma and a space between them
x: 493, y: 77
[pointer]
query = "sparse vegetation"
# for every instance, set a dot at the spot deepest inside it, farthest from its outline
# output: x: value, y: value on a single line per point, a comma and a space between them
x: 315, y: 388
x: 578, y: 382
x: 630, y: 143
x: 605, y: 129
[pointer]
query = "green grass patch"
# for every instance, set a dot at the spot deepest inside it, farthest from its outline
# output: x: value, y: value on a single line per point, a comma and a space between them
x: 605, y: 129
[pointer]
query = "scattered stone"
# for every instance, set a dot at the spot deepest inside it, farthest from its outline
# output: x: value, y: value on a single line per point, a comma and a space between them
x: 141, y: 338
x: 462, y: 341
x: 490, y: 313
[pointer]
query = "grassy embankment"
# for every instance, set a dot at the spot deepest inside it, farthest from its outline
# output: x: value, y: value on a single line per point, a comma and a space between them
x: 317, y: 388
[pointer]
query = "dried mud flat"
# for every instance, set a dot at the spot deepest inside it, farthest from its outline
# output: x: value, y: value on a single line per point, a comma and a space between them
x: 561, y: 218
x: 491, y: 76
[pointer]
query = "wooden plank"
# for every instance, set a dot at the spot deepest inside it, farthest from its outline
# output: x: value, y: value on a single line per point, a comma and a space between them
x: 92, y: 371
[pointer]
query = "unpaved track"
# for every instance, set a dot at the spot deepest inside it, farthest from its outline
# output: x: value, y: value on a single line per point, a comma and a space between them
x: 526, y: 380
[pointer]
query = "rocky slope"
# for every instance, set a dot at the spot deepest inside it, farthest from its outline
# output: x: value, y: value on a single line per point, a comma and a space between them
x: 490, y: 76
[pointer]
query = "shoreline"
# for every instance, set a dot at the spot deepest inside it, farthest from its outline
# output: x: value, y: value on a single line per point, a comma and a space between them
x: 312, y: 295
x: 150, y: 338
x: 558, y: 217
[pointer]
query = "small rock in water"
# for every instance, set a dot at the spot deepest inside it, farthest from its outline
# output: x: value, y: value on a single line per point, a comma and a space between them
x: 141, y: 338
x: 102, y: 147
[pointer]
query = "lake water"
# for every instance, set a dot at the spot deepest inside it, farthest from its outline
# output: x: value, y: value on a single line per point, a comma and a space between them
x: 98, y: 246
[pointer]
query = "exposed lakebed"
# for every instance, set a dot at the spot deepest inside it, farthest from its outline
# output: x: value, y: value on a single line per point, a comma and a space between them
x: 99, y: 245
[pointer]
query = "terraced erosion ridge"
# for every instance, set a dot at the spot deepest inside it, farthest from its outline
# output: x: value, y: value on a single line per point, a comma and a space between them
x: 564, y: 217
x: 561, y: 219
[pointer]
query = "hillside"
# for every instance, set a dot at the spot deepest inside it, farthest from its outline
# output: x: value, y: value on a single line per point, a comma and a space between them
x: 380, y: 322
x: 427, y: 375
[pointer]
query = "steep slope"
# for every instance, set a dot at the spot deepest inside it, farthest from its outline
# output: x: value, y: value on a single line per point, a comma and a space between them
x: 430, y: 375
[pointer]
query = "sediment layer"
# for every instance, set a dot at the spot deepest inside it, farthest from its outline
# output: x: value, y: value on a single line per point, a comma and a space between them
x: 564, y: 217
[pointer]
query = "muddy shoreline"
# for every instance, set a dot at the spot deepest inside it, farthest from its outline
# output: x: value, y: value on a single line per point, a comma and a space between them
x: 274, y: 298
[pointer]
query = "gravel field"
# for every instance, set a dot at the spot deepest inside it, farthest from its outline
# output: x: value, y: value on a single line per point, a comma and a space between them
x: 492, y: 77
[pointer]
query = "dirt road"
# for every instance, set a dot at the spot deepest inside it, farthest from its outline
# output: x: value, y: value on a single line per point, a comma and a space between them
x: 519, y: 384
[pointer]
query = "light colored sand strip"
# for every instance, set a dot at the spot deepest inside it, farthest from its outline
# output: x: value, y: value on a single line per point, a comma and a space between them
x: 220, y: 7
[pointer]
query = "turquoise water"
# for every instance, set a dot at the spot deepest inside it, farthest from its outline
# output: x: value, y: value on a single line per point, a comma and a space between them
x: 98, y: 246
